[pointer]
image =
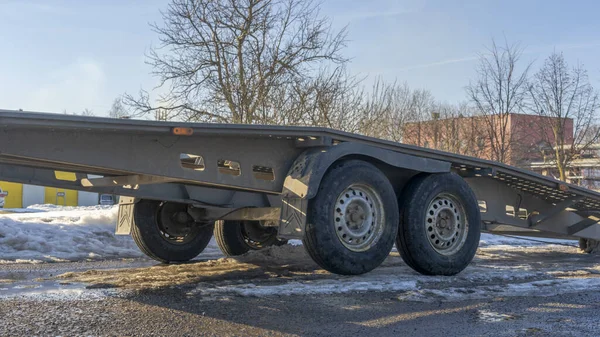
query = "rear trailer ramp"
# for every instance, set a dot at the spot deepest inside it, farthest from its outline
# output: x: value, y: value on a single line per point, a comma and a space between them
x: 246, y: 175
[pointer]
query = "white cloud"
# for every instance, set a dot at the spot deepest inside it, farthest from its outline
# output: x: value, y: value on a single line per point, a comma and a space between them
x: 76, y: 86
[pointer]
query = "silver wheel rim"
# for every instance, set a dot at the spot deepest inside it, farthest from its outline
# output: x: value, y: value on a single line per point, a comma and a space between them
x: 359, y: 217
x: 446, y: 224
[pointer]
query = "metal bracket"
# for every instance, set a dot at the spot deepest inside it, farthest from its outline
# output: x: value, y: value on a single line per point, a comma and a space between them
x: 517, y: 204
x: 478, y: 172
x: 250, y: 213
x: 537, y: 219
x: 302, y: 142
x: 581, y: 225
x: 132, y: 180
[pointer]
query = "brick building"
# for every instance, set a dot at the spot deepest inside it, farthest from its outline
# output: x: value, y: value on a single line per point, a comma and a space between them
x: 523, y: 142
x: 528, y: 144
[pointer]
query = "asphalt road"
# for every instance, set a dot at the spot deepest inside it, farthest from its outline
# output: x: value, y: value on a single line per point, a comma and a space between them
x: 171, y: 312
x: 547, y: 291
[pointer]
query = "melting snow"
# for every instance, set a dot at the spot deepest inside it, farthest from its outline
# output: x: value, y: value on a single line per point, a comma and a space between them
x: 50, y: 233
x: 500, y: 240
x: 43, y: 233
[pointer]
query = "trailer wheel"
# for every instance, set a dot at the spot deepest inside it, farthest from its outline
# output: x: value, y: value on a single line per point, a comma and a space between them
x: 167, y: 233
x: 239, y: 237
x: 352, y: 221
x: 589, y: 246
x: 440, y: 224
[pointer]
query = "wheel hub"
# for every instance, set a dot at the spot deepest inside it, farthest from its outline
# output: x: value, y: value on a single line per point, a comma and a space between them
x: 175, y: 224
x: 358, y: 217
x: 256, y: 235
x: 179, y: 224
x: 445, y: 224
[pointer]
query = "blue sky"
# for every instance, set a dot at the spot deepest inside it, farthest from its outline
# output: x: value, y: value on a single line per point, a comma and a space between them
x: 70, y: 54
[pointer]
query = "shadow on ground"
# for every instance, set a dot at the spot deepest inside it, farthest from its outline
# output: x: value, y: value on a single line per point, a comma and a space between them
x: 169, y: 293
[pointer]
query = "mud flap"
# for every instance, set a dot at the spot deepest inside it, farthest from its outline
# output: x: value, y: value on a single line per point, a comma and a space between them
x: 125, y: 217
x: 293, y: 218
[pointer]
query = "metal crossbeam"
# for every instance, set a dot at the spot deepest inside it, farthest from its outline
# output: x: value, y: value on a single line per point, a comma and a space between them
x: 550, y: 212
x: 131, y: 180
x: 581, y: 225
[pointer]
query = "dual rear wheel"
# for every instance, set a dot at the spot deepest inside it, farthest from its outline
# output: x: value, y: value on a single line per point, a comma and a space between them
x: 356, y: 217
x: 166, y: 232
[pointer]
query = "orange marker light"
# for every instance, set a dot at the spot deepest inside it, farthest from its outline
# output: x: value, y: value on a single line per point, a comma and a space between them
x: 183, y: 131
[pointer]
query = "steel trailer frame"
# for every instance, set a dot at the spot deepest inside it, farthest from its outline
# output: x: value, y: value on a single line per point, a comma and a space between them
x: 258, y: 172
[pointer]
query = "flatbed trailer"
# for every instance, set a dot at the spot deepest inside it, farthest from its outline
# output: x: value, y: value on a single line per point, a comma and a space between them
x: 347, y: 196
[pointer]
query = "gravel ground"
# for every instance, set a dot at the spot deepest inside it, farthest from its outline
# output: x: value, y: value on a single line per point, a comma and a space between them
x: 506, y: 291
x: 173, y: 312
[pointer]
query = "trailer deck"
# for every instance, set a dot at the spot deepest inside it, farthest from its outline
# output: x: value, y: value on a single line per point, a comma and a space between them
x: 228, y: 166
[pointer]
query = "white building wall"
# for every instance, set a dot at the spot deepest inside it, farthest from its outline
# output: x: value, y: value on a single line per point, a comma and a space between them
x: 33, y: 195
x: 87, y: 198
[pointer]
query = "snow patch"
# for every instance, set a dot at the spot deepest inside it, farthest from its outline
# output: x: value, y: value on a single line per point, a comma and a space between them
x: 543, y: 288
x: 54, y: 233
x: 488, y: 239
x: 493, y: 317
x: 310, y: 287
x: 59, y: 294
x: 422, y: 289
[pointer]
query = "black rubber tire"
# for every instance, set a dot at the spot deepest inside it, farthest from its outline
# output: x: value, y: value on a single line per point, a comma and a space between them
x: 148, y: 238
x: 412, y: 242
x: 321, y: 241
x: 230, y: 239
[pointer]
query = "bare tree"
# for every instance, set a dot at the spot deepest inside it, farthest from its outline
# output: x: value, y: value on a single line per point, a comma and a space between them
x: 500, y: 89
x: 222, y: 59
x: 421, y: 109
x: 410, y: 113
x: 380, y: 107
x: 570, y: 104
x: 458, y: 130
x: 117, y: 109
x: 332, y: 99
x: 87, y: 112
x: 387, y: 108
x: 447, y: 127
x: 391, y: 105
